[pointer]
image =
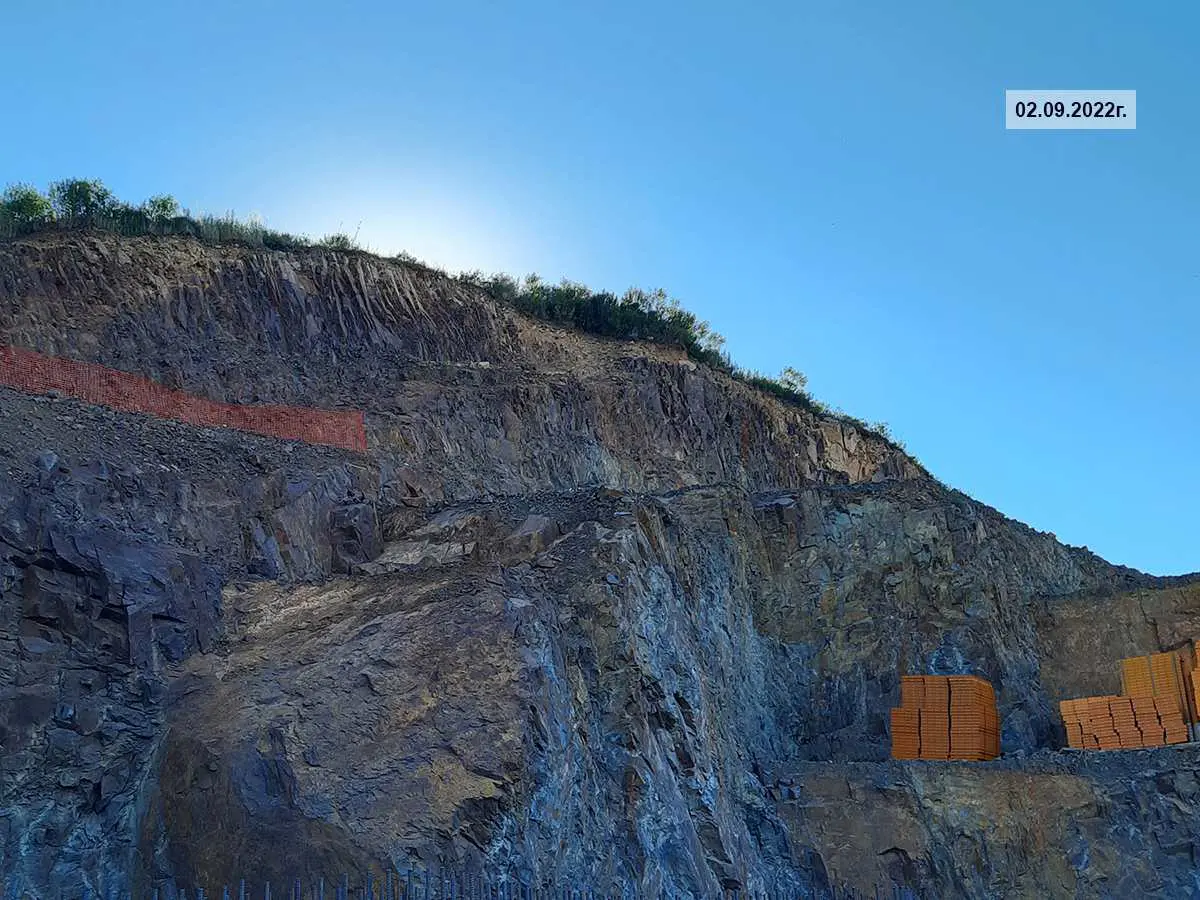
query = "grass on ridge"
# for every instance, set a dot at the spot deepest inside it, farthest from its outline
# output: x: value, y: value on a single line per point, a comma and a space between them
x: 75, y: 204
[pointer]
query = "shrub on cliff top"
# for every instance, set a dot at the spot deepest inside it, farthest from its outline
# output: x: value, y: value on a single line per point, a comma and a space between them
x: 81, y: 199
x: 784, y: 388
x: 635, y: 315
x: 24, y: 206
x: 339, y: 241
x: 161, y: 208
x: 87, y: 203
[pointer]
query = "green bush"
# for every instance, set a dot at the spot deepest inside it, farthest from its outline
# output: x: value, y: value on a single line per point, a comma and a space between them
x: 786, y: 387
x: 84, y: 203
x: 793, y: 379
x: 81, y: 199
x: 161, y: 207
x: 24, y: 206
x: 278, y: 240
x: 637, y: 315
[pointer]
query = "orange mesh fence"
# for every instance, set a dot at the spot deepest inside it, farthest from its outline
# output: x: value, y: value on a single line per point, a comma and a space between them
x: 37, y: 373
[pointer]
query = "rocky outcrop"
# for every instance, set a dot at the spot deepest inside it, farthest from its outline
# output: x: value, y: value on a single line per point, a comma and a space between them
x: 464, y: 397
x: 585, y: 612
x: 664, y: 679
x: 1049, y: 825
x: 114, y: 549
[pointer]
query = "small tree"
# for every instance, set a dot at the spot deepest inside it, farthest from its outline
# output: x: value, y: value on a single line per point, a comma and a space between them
x: 161, y: 207
x: 793, y: 379
x: 79, y: 199
x: 23, y: 204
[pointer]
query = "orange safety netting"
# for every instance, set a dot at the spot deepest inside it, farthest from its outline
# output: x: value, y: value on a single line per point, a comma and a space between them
x: 37, y: 373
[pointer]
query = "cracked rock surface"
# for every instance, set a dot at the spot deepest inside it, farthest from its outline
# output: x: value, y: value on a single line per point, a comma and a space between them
x: 585, y: 613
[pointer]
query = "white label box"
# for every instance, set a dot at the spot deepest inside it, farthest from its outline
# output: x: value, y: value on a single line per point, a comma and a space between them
x: 1070, y: 110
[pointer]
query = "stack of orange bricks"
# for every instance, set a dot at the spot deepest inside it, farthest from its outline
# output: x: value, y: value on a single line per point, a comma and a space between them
x: 1192, y: 678
x: 1160, y: 697
x: 945, y: 717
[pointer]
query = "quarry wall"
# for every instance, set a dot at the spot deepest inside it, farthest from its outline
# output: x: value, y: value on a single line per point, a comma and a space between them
x: 524, y: 657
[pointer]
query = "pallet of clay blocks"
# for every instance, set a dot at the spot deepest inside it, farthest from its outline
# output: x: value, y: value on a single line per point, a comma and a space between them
x: 912, y: 691
x: 1099, y: 715
x: 1124, y: 723
x: 1177, y: 734
x: 937, y: 692
x: 1135, y: 677
x: 1072, y: 724
x: 1185, y: 663
x: 972, y: 739
x: 973, y: 719
x: 1190, y: 654
x: 935, y: 734
x: 906, y: 733
x: 1168, y: 705
x: 1146, y: 717
x: 1164, y: 668
x: 970, y: 691
x: 1154, y: 736
x: 1171, y: 717
x: 1184, y: 683
x: 973, y: 746
x: 1070, y: 712
x: 1074, y: 710
x: 1077, y: 721
x: 1098, y: 723
x: 935, y: 718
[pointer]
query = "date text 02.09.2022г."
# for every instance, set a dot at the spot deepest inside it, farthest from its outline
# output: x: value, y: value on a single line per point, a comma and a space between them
x: 1070, y: 110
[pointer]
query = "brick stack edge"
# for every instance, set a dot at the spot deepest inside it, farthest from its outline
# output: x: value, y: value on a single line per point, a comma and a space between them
x: 37, y: 373
x: 945, y: 717
x: 1159, y: 701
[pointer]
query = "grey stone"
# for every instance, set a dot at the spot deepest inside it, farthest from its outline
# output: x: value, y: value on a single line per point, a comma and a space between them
x: 323, y: 660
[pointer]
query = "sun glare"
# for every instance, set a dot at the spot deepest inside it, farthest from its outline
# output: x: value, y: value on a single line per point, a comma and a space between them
x: 452, y: 224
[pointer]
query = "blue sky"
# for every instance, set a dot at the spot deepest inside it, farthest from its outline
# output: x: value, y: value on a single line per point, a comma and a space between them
x: 830, y: 184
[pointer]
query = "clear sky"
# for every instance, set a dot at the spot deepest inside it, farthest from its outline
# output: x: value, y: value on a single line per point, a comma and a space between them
x: 830, y: 184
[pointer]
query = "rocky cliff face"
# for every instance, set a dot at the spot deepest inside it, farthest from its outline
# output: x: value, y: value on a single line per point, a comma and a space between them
x: 585, y: 612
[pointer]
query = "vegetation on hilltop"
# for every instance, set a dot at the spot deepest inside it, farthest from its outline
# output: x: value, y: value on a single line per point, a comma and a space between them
x: 635, y: 315
x: 83, y: 203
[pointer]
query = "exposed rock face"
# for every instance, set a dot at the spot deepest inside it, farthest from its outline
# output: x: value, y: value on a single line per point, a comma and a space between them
x: 1051, y: 825
x: 464, y: 398
x: 113, y: 552
x: 584, y: 612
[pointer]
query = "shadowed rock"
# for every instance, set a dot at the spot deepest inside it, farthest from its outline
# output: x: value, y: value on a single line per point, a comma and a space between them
x: 587, y: 613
